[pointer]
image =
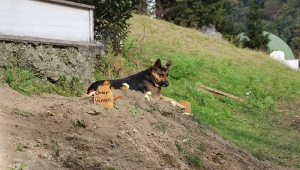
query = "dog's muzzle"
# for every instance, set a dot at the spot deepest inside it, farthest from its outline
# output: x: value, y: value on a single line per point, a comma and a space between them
x: 161, y: 84
x: 165, y: 84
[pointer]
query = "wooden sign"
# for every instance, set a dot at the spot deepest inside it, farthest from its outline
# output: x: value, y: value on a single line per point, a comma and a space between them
x: 187, y: 105
x: 103, y: 96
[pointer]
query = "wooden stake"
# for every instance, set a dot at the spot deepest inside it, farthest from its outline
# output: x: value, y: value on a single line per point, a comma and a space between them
x: 218, y: 92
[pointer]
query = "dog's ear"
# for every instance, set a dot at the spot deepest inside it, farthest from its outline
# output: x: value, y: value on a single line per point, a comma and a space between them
x: 169, y: 64
x: 157, y: 63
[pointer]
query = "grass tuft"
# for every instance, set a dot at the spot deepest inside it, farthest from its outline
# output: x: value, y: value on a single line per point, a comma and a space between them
x: 190, y: 158
x: 27, y: 83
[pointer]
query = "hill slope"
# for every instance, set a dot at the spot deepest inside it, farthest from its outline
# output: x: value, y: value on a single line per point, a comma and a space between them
x: 266, y: 125
x: 145, y: 136
x: 144, y: 140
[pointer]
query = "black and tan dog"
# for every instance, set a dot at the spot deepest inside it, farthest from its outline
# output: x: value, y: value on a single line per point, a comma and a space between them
x: 151, y: 79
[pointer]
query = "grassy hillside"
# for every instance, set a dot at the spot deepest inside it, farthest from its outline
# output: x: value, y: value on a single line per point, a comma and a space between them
x: 266, y: 124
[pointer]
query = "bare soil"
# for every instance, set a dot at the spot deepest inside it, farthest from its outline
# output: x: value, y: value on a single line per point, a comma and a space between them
x: 52, y: 132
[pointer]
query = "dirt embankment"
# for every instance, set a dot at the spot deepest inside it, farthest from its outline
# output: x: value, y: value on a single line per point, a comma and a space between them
x: 137, y: 134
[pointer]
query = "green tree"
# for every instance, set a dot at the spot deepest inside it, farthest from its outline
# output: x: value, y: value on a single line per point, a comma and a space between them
x: 255, y: 38
x: 295, y: 41
x: 165, y: 9
x: 192, y: 14
x: 287, y: 25
x: 110, y: 20
x: 212, y: 12
x: 230, y: 31
x: 187, y: 13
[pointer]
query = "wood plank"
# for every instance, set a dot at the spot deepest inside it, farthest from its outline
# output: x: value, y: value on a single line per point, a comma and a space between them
x: 218, y: 92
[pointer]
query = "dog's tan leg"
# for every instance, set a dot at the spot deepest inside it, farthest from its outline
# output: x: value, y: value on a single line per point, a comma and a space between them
x: 167, y: 99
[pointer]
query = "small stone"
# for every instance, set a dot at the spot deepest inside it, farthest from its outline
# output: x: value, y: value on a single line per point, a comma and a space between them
x: 50, y: 113
x: 90, y: 112
x: 39, y: 141
x: 93, y: 112
x: 49, y: 157
x: 70, y: 136
x: 143, y: 148
x: 25, y: 146
x: 151, y: 134
x: 41, y: 56
x: 91, y: 160
x: 43, y: 155
x: 135, y: 131
x: 112, y: 143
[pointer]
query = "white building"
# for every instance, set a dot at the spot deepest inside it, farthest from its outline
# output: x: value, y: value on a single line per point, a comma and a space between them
x: 279, y: 56
x: 47, y: 19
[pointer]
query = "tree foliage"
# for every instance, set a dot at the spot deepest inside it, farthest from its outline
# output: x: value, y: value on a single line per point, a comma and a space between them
x: 212, y: 12
x: 195, y: 14
x: 191, y: 13
x: 287, y: 25
x: 280, y: 17
x: 110, y: 20
x: 187, y: 13
x: 255, y: 38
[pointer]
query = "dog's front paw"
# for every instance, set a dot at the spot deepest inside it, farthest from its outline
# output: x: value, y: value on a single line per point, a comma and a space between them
x: 174, y: 103
x: 182, y: 107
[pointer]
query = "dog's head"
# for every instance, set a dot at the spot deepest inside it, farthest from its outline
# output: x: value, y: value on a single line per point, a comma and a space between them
x: 160, y: 73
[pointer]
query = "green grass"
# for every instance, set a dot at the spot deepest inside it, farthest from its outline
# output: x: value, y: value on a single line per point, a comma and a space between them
x: 20, y: 147
x: 190, y: 158
x: 257, y: 125
x: 26, y: 82
x: 80, y: 122
x: 21, y: 167
x: 262, y: 124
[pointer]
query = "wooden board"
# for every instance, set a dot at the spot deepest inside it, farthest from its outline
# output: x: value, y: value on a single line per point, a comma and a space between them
x: 103, y: 96
x: 218, y: 92
x: 188, y: 108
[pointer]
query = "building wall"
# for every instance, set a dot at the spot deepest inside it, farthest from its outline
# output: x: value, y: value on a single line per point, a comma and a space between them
x: 50, y: 19
x: 294, y: 64
x: 51, y: 62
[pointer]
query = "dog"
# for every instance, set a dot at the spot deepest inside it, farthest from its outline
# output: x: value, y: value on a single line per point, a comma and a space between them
x: 151, y: 79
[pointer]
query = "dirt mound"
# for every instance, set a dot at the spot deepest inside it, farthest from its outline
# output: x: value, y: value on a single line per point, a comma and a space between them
x: 54, y: 132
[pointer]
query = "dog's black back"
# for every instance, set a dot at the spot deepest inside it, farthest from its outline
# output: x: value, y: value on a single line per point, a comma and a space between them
x: 136, y: 82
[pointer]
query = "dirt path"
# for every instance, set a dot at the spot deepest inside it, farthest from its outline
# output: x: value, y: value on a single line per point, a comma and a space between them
x: 143, y: 136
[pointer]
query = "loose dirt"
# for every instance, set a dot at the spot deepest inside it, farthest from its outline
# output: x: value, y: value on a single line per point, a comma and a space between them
x: 52, y: 132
